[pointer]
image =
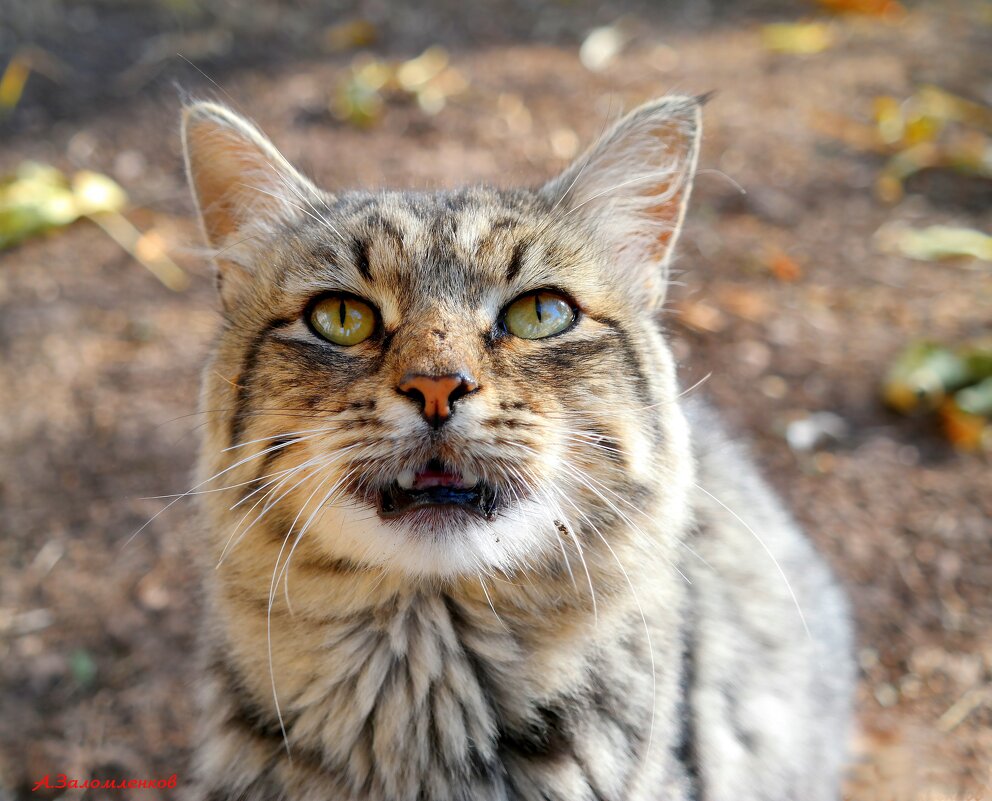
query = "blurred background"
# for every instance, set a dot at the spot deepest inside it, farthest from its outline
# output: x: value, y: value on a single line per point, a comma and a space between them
x: 834, y: 297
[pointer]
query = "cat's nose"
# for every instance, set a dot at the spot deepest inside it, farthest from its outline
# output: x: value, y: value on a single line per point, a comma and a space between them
x: 436, y: 394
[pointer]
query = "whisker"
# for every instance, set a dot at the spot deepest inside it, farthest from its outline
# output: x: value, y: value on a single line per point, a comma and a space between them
x: 197, y: 486
x: 288, y: 434
x: 767, y: 550
x: 644, y: 621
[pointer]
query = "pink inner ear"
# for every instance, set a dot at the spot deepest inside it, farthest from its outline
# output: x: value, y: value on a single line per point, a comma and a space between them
x: 224, y: 166
x: 667, y: 212
x: 213, y: 162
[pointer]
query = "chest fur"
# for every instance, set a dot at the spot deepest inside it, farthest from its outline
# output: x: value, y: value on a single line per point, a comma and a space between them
x: 434, y: 700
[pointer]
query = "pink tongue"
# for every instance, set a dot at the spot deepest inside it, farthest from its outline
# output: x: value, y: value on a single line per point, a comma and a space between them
x: 436, y: 478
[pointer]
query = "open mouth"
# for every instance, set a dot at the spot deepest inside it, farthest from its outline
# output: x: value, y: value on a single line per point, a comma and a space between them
x: 437, y: 485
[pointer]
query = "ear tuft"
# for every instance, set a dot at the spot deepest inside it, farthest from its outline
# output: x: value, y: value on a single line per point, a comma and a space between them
x: 239, y: 179
x: 632, y: 188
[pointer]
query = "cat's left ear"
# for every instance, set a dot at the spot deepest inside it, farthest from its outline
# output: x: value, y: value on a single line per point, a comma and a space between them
x: 632, y: 188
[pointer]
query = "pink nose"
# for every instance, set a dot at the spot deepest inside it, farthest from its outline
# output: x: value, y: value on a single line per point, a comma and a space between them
x: 436, y: 395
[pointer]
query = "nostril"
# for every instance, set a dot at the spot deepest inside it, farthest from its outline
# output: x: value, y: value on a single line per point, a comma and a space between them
x: 413, y: 394
x: 460, y: 391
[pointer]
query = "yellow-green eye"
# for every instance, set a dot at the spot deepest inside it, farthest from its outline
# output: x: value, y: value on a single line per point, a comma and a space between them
x: 343, y: 320
x: 538, y: 315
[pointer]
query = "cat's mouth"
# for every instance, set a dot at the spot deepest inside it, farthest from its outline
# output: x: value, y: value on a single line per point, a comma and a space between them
x: 438, y: 485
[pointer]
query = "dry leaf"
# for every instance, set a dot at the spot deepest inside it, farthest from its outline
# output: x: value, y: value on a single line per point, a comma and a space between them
x: 874, y: 8
x: 966, y: 432
x: 802, y: 38
x: 427, y: 79
x: 15, y: 76
x: 922, y: 376
x: 935, y: 242
x: 39, y: 198
x: 350, y: 35
x: 976, y: 399
x: 930, y: 129
x: 97, y: 193
x: 782, y: 265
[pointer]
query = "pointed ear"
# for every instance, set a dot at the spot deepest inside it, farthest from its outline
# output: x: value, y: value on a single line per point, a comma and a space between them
x: 240, y: 181
x: 632, y: 188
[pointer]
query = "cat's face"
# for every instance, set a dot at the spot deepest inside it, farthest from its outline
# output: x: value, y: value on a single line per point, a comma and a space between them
x: 449, y: 383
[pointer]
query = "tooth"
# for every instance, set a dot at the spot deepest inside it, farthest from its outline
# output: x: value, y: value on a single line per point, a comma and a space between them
x: 469, y: 479
x: 405, y: 479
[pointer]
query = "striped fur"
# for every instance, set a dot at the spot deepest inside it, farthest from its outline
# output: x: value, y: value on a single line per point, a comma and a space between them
x: 614, y: 632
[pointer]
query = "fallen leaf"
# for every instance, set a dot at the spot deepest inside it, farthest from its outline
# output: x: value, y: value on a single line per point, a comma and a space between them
x: 976, y: 399
x: 874, y: 8
x: 417, y: 72
x: 357, y: 103
x: 978, y: 360
x: 935, y: 242
x: 938, y: 103
x: 428, y: 80
x: 966, y: 432
x: 930, y: 129
x: 801, y: 38
x: 350, y: 35
x: 15, y: 76
x: 35, y: 199
x: 782, y: 265
x: 922, y: 376
x: 39, y: 198
x: 95, y: 193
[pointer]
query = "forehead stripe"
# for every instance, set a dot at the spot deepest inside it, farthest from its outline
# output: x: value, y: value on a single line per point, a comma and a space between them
x: 360, y: 253
x: 516, y: 260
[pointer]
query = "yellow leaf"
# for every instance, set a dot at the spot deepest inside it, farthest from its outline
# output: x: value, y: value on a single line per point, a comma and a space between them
x: 34, y: 200
x: 95, y: 193
x: 12, y: 83
x: 804, y: 38
x: 349, y: 35
x: 416, y: 72
x: 936, y: 242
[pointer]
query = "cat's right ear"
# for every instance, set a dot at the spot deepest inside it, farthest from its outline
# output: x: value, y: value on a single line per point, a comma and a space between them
x: 242, y: 185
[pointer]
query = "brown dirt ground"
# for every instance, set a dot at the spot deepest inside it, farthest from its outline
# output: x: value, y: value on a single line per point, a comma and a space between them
x: 98, y: 374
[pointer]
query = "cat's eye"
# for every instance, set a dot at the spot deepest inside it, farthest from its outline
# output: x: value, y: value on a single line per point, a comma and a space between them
x: 538, y: 315
x: 342, y: 319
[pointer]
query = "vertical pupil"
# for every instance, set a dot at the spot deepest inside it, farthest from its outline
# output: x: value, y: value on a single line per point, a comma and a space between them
x: 341, y: 311
x: 537, y: 307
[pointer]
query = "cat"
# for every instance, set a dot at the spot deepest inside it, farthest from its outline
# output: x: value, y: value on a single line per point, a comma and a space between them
x: 465, y: 538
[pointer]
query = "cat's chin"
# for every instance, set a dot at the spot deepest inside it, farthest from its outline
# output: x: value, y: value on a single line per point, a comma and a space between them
x: 438, y: 540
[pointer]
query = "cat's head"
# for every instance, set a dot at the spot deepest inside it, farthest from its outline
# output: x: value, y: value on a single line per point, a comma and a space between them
x: 449, y: 382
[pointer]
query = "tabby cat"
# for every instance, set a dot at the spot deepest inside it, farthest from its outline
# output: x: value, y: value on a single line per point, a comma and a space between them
x: 466, y: 540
